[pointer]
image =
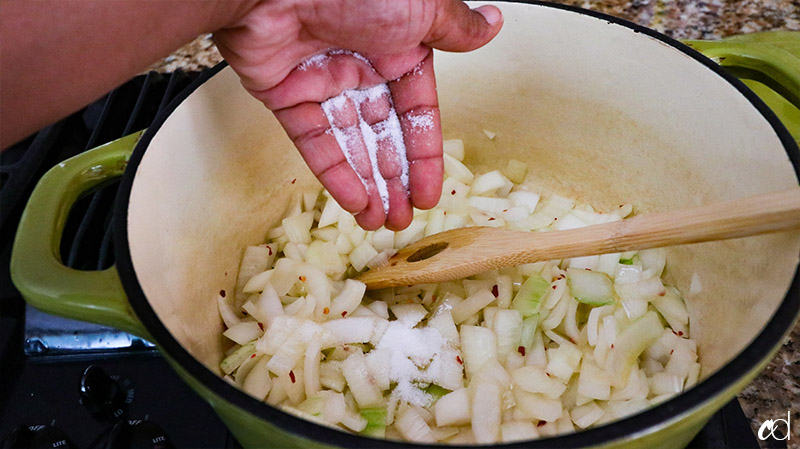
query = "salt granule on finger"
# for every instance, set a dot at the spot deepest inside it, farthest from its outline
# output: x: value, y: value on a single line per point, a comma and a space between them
x: 388, y: 129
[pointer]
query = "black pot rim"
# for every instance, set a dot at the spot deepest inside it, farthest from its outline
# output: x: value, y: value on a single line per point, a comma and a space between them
x: 743, y: 363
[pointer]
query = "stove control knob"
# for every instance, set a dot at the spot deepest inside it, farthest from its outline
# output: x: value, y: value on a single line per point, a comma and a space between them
x: 137, y: 434
x: 37, y: 437
x: 103, y: 395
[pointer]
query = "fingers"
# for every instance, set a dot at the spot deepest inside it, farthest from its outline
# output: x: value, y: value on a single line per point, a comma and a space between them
x: 309, y: 129
x: 417, y: 107
x: 458, y: 28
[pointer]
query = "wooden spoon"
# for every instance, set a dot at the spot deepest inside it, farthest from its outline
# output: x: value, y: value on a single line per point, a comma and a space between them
x: 459, y: 253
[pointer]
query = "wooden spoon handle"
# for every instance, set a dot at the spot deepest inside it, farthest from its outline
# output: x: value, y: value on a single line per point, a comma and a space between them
x: 464, y: 252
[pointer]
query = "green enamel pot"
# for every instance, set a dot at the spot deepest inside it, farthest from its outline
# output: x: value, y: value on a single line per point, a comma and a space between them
x: 602, y: 110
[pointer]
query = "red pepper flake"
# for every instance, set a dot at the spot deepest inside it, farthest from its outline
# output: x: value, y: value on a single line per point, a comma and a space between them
x: 294, y: 180
x: 554, y: 287
x: 453, y: 192
x: 548, y: 374
x: 326, y: 311
x: 434, y: 298
x: 458, y: 359
x: 555, y: 219
x: 302, y: 278
x: 662, y: 293
x: 588, y: 269
x: 680, y: 333
x: 491, y: 218
x: 621, y: 205
x: 222, y: 293
x: 291, y: 376
x: 505, y: 210
x: 445, y: 213
x: 521, y: 350
x: 495, y: 291
x: 541, y: 423
x: 252, y: 355
x: 612, y: 345
x: 270, y: 250
x: 261, y: 326
x: 671, y: 351
x: 344, y: 313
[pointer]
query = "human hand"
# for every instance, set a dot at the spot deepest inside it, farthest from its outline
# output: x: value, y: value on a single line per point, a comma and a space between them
x: 270, y: 47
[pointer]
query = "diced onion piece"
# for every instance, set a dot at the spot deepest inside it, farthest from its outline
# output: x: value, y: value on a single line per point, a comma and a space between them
x: 413, y: 427
x: 330, y: 376
x: 379, y: 308
x: 491, y: 206
x: 361, y: 384
x: 674, y: 310
x: 478, y: 346
x: 443, y: 322
x: 529, y: 298
x: 630, y: 343
x: 453, y: 409
x: 376, y: 422
x: 472, y: 305
x: 258, y: 382
x: 243, y: 332
x: 348, y: 298
x: 454, y: 148
x: 488, y: 183
x: 563, y: 361
x: 456, y: 170
x: 347, y: 330
x: 379, y: 364
x: 516, y: 171
x: 593, y: 382
x: 587, y: 414
x: 282, y: 326
x: 534, y: 380
x: 507, y: 325
x: 293, y: 348
x: 486, y: 413
x: 229, y: 317
x: 232, y: 361
x: 409, y: 314
x: 518, y: 431
x: 257, y: 282
x: 490, y: 134
x: 256, y: 259
x: 524, y: 199
x: 361, y: 255
x: 409, y: 235
x: 590, y: 287
x: 311, y: 363
x: 298, y: 227
x: 383, y: 239
x: 537, y: 406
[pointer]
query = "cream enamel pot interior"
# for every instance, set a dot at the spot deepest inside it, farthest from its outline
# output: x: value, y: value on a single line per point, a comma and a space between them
x: 602, y: 110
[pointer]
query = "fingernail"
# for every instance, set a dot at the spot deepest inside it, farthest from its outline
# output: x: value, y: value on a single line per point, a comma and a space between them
x: 490, y: 13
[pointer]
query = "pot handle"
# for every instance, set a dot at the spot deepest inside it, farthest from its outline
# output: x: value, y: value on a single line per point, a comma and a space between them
x: 771, y: 58
x: 36, y: 266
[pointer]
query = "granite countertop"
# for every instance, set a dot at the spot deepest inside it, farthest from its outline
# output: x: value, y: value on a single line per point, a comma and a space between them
x: 777, y: 388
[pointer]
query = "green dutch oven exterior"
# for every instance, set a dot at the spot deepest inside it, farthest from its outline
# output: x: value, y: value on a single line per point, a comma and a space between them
x: 769, y: 62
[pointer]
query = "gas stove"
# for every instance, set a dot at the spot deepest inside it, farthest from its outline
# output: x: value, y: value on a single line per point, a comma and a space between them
x: 67, y: 384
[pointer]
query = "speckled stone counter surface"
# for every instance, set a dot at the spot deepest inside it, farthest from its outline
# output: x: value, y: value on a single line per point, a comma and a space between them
x: 777, y: 389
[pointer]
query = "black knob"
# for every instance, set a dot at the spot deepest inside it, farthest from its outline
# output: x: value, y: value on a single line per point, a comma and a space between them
x: 37, y: 437
x: 102, y: 395
x: 137, y: 434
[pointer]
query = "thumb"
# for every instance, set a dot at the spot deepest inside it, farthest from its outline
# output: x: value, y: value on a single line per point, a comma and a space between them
x: 459, y: 28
